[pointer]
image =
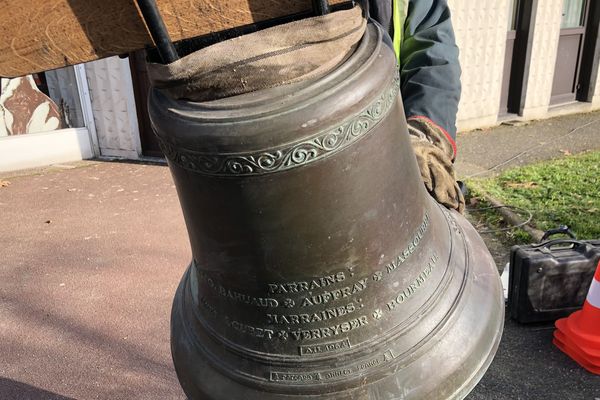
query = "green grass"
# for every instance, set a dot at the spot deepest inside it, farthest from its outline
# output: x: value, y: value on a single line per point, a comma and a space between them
x: 565, y: 191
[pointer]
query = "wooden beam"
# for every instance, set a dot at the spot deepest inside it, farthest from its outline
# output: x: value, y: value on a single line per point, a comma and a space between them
x: 39, y: 35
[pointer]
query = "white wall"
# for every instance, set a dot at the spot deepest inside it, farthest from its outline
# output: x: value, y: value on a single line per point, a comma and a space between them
x: 546, y: 33
x: 596, y: 97
x: 481, y: 28
x: 39, y: 149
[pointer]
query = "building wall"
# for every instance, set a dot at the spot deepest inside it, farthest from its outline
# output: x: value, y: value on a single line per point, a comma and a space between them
x: 480, y: 28
x: 46, y: 148
x: 596, y: 98
x: 546, y: 33
x: 113, y: 105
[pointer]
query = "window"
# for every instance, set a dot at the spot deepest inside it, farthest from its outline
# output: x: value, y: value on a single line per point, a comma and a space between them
x: 572, y: 16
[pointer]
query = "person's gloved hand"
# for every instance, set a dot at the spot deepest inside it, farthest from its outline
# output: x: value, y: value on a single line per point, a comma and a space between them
x: 435, y: 153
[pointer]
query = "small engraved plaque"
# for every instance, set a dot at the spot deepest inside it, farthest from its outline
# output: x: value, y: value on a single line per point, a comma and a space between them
x: 324, y: 347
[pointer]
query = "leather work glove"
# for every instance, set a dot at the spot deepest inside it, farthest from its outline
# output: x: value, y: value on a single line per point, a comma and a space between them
x: 435, y: 154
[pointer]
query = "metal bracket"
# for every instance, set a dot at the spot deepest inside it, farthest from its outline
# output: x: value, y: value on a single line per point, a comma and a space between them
x: 320, y: 7
x: 158, y: 31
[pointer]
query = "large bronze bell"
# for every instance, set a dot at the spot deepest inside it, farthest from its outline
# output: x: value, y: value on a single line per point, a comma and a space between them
x: 322, y: 268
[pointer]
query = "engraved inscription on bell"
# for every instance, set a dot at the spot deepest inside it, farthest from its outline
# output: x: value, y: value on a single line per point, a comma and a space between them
x: 319, y: 316
x: 296, y: 287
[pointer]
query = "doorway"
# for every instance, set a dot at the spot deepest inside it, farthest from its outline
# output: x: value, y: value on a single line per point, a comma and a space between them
x: 141, y: 89
x: 517, y: 58
x: 567, y: 70
x: 507, y: 73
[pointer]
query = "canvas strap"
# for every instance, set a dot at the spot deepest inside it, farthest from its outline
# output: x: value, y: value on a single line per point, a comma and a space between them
x: 289, y: 53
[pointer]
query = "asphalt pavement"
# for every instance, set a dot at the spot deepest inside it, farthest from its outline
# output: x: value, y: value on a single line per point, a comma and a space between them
x: 91, y: 257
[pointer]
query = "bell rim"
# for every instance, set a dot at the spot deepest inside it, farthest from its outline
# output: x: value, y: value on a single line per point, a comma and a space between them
x: 286, y: 389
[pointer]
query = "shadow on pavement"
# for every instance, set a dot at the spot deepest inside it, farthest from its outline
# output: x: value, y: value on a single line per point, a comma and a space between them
x: 529, y: 367
x: 10, y: 389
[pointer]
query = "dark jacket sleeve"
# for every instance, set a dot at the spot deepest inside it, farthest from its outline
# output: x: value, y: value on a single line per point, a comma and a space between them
x: 429, y: 70
x: 429, y: 66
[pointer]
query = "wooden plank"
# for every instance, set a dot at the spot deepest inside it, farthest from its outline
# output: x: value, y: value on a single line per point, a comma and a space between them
x: 39, y: 35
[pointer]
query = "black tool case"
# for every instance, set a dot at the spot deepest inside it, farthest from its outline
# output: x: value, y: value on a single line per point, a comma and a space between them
x: 550, y: 280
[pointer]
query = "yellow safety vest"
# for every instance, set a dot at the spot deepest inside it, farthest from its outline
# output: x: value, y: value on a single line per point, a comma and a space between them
x: 399, y: 13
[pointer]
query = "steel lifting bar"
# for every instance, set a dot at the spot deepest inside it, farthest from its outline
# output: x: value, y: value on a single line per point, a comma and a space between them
x: 320, y: 7
x: 158, y: 31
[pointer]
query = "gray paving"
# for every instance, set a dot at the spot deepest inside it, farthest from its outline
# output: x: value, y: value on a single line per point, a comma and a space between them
x: 485, y: 152
x: 527, y: 365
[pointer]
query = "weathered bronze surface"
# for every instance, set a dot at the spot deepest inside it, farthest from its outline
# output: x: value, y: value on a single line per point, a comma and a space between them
x: 322, y: 268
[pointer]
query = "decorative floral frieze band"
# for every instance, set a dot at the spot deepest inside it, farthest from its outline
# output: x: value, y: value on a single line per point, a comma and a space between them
x: 291, y: 155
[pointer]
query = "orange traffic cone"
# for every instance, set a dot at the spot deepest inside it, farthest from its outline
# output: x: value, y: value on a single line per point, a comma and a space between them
x: 579, y: 334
